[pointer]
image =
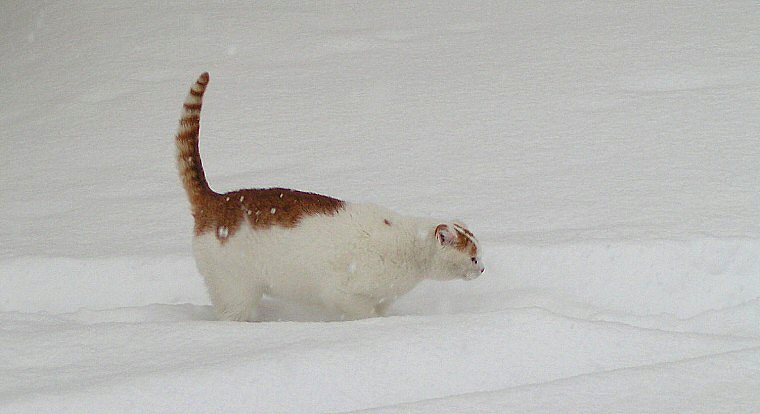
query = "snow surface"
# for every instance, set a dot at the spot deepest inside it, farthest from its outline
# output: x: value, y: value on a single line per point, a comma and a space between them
x: 606, y: 154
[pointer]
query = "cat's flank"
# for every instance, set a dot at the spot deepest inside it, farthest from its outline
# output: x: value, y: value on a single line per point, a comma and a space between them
x: 353, y: 259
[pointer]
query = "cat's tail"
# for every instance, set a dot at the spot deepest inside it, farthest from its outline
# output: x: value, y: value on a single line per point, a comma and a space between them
x: 188, y: 156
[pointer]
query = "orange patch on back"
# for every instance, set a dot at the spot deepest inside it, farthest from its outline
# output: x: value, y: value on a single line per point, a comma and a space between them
x: 264, y: 208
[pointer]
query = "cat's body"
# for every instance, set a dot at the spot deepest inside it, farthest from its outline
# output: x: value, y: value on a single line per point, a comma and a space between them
x: 353, y: 259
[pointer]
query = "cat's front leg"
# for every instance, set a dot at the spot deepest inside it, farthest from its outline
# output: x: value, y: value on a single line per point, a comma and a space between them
x: 354, y: 307
x: 381, y: 308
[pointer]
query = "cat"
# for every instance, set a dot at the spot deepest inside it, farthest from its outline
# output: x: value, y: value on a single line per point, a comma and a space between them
x: 352, y: 259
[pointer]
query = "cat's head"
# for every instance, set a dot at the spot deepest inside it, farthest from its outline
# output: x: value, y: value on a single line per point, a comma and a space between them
x: 457, y: 253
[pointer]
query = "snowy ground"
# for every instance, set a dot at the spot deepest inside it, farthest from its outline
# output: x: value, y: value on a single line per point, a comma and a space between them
x: 607, y: 155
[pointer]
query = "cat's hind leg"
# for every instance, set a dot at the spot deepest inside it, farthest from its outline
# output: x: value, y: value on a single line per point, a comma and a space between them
x: 235, y: 302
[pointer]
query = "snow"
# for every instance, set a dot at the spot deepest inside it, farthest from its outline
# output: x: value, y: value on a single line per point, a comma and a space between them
x: 605, y: 154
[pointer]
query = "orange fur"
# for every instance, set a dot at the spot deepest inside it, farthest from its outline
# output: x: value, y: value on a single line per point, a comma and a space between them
x: 224, y: 213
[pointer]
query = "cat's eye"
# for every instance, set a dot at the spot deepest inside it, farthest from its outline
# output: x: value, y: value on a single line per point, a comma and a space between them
x: 474, y: 260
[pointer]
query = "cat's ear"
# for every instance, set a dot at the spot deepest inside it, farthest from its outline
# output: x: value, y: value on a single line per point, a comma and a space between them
x: 444, y: 234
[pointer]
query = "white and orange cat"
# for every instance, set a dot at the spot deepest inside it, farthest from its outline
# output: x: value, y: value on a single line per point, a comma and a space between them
x: 353, y: 259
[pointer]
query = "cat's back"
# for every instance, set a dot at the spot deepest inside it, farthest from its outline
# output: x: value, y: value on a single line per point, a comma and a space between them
x: 290, y: 225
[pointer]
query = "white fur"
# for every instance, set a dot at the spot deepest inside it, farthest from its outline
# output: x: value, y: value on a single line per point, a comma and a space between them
x: 350, y: 262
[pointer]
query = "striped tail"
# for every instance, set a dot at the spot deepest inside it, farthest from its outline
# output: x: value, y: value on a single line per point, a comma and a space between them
x: 188, y: 156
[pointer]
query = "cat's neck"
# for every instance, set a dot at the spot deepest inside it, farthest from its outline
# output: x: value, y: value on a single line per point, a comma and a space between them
x: 420, y: 244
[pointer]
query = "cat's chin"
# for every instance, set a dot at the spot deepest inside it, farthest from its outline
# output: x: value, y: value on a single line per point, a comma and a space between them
x: 471, y: 276
x: 450, y: 277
